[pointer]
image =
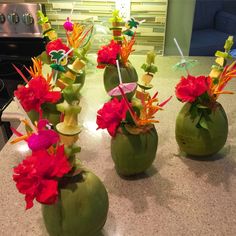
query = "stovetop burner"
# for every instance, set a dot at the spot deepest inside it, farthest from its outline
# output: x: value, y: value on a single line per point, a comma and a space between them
x: 20, y: 39
x: 20, y: 20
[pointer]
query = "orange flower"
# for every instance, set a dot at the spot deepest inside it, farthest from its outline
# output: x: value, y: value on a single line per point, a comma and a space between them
x: 36, y: 70
x: 126, y: 49
x: 78, y: 35
x: 149, y: 110
x: 73, y: 38
x: 217, y: 85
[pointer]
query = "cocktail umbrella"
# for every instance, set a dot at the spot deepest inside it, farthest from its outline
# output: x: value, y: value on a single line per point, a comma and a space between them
x: 126, y: 87
x: 183, y: 64
x: 233, y: 53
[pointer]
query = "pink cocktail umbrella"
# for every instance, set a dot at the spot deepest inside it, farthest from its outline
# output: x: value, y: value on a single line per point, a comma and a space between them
x: 126, y: 87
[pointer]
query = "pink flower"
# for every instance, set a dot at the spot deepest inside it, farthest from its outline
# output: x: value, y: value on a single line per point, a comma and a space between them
x: 108, y: 54
x: 190, y: 88
x: 37, y: 176
x: 111, y: 114
x: 45, y: 137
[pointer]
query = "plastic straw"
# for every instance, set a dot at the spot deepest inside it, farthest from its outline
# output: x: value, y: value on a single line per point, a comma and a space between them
x: 132, y: 113
x: 118, y: 69
x: 179, y: 49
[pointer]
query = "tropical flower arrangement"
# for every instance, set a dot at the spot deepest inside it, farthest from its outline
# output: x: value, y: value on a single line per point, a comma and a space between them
x: 202, y: 124
x: 119, y: 49
x: 120, y: 46
x: 39, y: 173
x: 203, y: 91
x: 122, y: 116
x: 130, y: 122
x: 68, y: 59
x: 51, y: 174
x: 42, y: 93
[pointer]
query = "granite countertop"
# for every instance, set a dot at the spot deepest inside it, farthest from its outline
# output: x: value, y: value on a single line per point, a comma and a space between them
x: 176, y: 196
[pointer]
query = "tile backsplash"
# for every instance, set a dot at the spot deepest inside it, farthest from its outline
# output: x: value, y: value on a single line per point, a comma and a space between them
x: 150, y: 34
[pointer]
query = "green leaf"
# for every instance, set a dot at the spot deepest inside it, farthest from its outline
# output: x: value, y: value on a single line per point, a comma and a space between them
x: 194, y: 111
x: 201, y: 106
x: 203, y: 123
x: 124, y: 131
x: 71, y: 150
x: 129, y: 118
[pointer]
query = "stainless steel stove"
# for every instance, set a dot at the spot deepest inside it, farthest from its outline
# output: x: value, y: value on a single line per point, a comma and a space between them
x: 20, y: 40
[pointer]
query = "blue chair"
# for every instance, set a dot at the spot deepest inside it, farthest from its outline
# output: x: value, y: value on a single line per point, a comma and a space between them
x: 211, y: 27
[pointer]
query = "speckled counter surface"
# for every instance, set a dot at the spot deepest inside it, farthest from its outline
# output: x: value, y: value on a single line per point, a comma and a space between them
x: 176, y: 196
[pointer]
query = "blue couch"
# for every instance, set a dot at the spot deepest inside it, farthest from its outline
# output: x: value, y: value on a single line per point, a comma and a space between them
x: 211, y: 27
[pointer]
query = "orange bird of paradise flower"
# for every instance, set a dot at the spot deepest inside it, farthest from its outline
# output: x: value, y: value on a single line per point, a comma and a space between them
x: 126, y: 49
x: 216, y: 86
x: 149, y: 110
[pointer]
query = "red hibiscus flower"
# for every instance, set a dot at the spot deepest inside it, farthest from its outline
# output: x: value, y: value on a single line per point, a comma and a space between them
x: 56, y: 45
x: 37, y: 175
x: 188, y: 89
x: 35, y: 94
x: 108, y: 54
x: 111, y: 114
x: 44, y: 138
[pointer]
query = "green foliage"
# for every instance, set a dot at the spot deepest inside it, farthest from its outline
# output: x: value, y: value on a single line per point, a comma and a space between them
x: 72, y: 150
x: 200, y: 112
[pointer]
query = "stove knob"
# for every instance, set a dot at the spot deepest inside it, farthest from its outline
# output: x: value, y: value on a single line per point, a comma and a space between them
x: 13, y: 18
x: 2, y: 18
x: 28, y: 19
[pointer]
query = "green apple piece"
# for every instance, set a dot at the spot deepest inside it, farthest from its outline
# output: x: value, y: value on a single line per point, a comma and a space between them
x: 68, y: 130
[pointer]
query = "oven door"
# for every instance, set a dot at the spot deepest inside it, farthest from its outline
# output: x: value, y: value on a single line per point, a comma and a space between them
x: 9, y: 76
x: 17, y: 51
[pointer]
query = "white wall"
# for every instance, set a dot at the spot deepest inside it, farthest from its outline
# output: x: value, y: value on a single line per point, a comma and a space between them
x: 179, y: 25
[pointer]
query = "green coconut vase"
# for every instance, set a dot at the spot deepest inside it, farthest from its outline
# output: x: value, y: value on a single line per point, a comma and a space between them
x: 133, y: 154
x: 199, y: 141
x: 81, y: 209
x: 111, y: 78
